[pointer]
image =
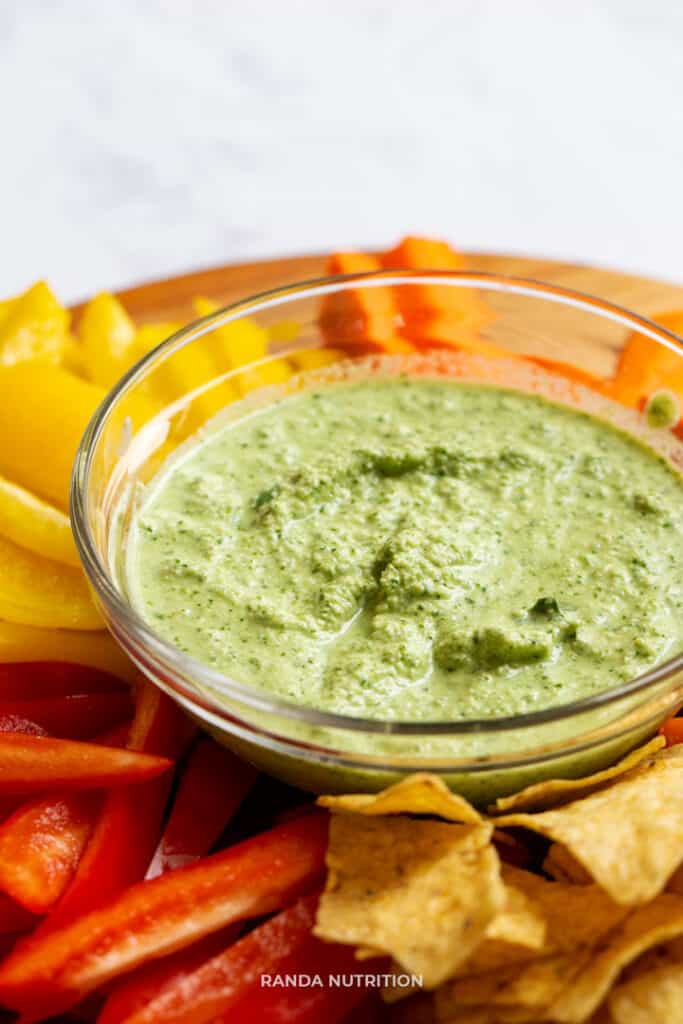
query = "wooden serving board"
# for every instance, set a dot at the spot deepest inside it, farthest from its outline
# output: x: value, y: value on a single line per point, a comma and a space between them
x: 171, y: 299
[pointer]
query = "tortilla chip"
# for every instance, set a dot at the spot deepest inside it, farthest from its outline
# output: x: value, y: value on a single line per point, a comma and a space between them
x: 423, y: 892
x: 575, y: 916
x: 675, y: 883
x: 525, y: 990
x: 576, y: 920
x: 647, y: 926
x: 628, y: 836
x: 515, y: 934
x: 561, y: 866
x: 543, y: 795
x: 417, y: 794
x: 654, y: 997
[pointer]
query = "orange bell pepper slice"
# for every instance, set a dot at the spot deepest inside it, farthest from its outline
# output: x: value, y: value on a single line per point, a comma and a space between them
x: 48, y: 973
x: 213, y: 786
x: 672, y: 731
x: 361, y: 319
x: 645, y: 365
x: 439, y: 315
x: 30, y: 763
x: 574, y: 373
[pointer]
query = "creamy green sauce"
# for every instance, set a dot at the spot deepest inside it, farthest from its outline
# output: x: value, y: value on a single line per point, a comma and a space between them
x: 415, y: 549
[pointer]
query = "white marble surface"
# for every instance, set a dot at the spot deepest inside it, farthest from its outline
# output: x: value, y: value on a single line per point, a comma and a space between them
x: 144, y: 137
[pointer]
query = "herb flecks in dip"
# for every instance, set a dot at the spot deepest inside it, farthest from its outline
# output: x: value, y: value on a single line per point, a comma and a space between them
x: 416, y: 549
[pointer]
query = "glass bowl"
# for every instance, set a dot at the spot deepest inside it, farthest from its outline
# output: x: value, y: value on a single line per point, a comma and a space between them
x: 512, y: 332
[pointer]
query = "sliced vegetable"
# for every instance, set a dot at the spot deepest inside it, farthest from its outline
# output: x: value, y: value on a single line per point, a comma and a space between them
x: 30, y: 763
x: 33, y: 680
x: 127, y: 830
x: 35, y: 327
x: 672, y: 731
x: 14, y: 918
x: 315, y: 358
x: 284, y: 332
x: 32, y: 523
x: 273, y: 371
x: 148, y: 336
x: 300, y: 1005
x: 107, y: 336
x: 438, y: 315
x: 214, y: 986
x: 646, y: 365
x: 49, y: 973
x: 214, y: 784
x: 417, y: 253
x: 40, y: 846
x: 20, y: 643
x: 43, y: 415
x: 73, y: 717
x: 36, y: 591
x: 236, y: 344
x: 361, y: 319
x: 574, y: 373
x: 139, y: 988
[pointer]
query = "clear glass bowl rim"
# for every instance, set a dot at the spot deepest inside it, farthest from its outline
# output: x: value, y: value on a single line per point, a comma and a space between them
x: 177, y: 664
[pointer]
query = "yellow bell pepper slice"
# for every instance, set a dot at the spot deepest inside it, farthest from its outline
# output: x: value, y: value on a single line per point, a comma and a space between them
x: 275, y: 371
x: 108, y: 337
x: 35, y: 327
x: 36, y: 591
x: 35, y: 525
x: 44, y: 411
x: 237, y: 343
x: 284, y: 332
x: 315, y: 358
x: 5, y: 306
x: 148, y: 336
x: 97, y: 650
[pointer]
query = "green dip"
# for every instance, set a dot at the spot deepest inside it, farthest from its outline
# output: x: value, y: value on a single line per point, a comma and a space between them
x: 415, y: 549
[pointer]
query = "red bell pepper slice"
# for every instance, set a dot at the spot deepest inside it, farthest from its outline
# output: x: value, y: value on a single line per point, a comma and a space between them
x: 42, y: 840
x: 213, y: 786
x: 51, y: 972
x: 31, y: 763
x: 229, y: 987
x: 75, y: 717
x: 136, y: 990
x: 127, y: 830
x: 300, y: 1005
x: 40, y: 846
x: 219, y: 983
x: 14, y: 918
x: 31, y: 680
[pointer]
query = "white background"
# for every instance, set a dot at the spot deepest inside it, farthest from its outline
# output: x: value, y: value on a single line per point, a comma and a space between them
x: 144, y: 137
